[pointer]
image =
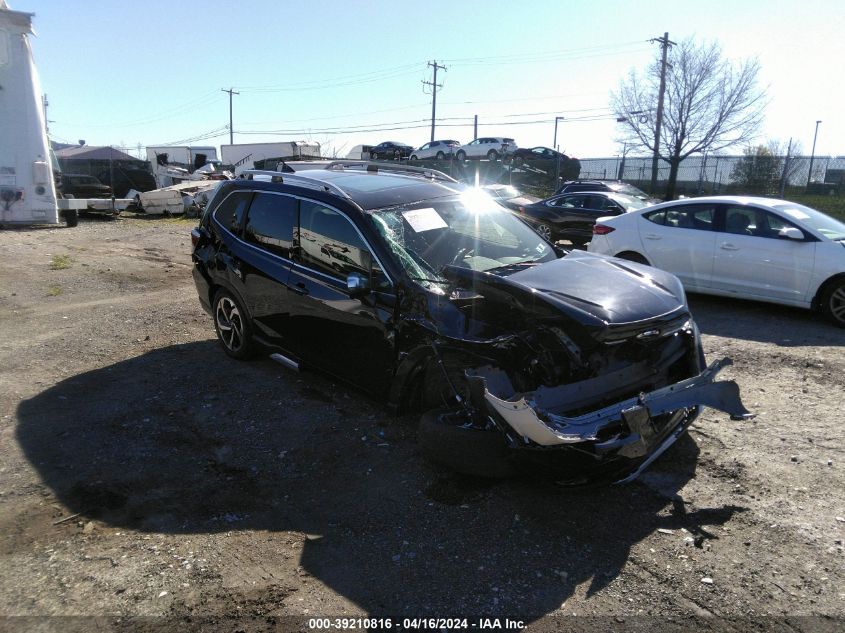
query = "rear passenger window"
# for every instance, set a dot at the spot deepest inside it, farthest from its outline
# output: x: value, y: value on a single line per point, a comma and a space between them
x: 270, y: 223
x: 693, y: 216
x: 230, y: 212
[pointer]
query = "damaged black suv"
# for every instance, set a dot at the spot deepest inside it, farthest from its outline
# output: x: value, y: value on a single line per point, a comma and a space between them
x: 429, y: 294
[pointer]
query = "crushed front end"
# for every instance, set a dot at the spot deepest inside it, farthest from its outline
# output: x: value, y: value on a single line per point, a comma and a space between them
x: 602, y: 412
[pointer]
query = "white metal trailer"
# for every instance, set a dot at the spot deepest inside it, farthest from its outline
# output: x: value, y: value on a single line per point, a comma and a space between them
x: 242, y: 156
x: 27, y: 184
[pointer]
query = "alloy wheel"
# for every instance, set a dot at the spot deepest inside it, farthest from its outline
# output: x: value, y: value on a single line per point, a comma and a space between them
x: 230, y: 325
x: 836, y: 304
x: 545, y: 231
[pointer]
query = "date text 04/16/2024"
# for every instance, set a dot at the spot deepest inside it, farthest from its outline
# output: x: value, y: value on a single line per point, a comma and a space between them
x: 415, y: 624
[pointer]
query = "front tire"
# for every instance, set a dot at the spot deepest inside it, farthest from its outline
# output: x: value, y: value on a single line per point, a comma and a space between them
x: 833, y: 302
x: 445, y: 439
x: 373, y: 156
x: 461, y: 156
x: 413, y: 157
x: 440, y: 156
x: 234, y: 330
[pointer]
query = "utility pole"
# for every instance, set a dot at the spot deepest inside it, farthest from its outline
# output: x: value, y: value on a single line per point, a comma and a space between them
x: 475, y: 128
x: 434, y: 86
x: 231, y: 92
x: 554, y: 142
x: 665, y: 43
x: 813, y: 154
x: 783, y: 176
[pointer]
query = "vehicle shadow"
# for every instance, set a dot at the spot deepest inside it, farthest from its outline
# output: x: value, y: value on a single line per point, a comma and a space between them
x: 763, y: 322
x: 155, y: 445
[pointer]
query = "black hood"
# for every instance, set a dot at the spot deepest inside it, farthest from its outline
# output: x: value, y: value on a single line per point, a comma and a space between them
x: 596, y: 290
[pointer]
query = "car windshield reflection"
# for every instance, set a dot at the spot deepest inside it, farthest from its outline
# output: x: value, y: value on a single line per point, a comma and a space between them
x: 470, y: 231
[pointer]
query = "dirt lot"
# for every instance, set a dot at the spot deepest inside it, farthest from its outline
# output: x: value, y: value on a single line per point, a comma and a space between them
x: 144, y: 474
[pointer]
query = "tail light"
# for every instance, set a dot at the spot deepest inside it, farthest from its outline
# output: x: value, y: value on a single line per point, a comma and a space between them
x: 195, y: 237
x: 521, y: 209
x: 602, y: 229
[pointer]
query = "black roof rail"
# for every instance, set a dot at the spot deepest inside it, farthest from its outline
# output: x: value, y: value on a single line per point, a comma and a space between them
x: 295, y: 179
x: 376, y: 167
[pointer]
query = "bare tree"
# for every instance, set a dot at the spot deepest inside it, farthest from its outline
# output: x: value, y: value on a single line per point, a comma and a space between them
x: 710, y: 103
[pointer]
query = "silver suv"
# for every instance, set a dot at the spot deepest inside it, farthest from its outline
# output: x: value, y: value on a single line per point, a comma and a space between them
x: 435, y: 149
x: 489, y: 147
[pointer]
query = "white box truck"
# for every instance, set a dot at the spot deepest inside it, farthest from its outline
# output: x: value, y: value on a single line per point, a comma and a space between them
x: 27, y: 181
x: 242, y: 156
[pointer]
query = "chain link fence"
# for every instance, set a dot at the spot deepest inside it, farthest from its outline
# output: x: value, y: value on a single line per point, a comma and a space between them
x: 717, y: 174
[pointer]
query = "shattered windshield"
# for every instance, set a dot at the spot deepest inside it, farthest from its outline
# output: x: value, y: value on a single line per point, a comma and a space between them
x: 470, y: 230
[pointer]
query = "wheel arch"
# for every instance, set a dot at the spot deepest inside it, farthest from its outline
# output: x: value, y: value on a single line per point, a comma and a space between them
x: 823, y: 287
x: 216, y: 286
x: 633, y: 256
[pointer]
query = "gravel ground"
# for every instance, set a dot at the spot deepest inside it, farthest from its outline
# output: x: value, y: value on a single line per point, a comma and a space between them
x: 148, y: 479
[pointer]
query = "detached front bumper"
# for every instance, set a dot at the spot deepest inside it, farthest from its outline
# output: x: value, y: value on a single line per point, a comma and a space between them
x: 636, y: 430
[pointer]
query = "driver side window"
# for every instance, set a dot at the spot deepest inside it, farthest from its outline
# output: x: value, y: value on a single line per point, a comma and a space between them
x: 329, y: 243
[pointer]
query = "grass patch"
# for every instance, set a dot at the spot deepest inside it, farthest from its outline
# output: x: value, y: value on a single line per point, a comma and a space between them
x: 54, y: 291
x: 181, y: 219
x: 60, y: 262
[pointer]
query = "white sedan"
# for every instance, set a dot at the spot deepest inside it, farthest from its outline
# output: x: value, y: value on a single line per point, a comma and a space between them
x: 736, y: 246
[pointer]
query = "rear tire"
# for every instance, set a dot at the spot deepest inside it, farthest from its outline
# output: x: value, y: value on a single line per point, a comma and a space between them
x: 373, y: 156
x: 492, y: 156
x: 71, y: 217
x: 466, y: 450
x: 233, y: 327
x: 833, y: 302
x: 440, y: 156
x: 633, y: 257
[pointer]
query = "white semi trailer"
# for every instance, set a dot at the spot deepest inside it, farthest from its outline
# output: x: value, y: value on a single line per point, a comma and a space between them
x: 243, y: 156
x: 27, y: 182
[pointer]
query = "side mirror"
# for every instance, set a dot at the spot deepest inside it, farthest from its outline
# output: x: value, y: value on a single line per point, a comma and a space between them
x: 357, y: 284
x: 791, y: 233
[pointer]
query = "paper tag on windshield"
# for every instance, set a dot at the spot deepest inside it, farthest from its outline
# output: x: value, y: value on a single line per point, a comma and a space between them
x: 424, y: 219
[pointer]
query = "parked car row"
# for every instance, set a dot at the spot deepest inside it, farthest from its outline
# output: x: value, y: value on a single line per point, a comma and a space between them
x: 489, y: 147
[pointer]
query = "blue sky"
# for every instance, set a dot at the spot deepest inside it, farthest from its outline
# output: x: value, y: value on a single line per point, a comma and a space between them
x: 151, y: 72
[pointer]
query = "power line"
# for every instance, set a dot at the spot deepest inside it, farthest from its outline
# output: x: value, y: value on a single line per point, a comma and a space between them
x: 339, y: 82
x: 159, y: 116
x: 533, y: 57
x: 414, y: 125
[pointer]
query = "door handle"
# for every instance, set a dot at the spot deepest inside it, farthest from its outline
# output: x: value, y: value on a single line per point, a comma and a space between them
x: 300, y: 288
x: 727, y: 246
x: 652, y: 236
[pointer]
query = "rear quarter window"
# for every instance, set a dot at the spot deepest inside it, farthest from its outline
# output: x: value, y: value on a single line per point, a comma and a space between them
x: 229, y: 214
